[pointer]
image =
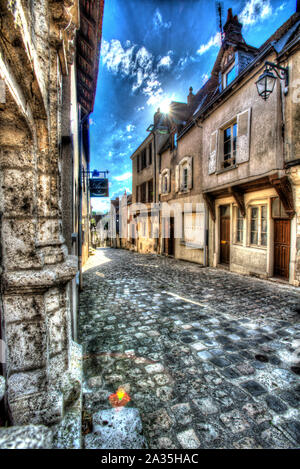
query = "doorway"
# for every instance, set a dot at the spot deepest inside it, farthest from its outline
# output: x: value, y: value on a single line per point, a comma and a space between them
x: 168, y: 241
x: 224, y: 234
x: 282, y: 236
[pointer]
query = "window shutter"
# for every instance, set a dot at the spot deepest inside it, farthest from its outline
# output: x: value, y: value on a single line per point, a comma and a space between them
x: 212, y: 160
x: 159, y: 184
x: 190, y: 173
x: 177, y: 178
x: 169, y: 180
x: 243, y: 136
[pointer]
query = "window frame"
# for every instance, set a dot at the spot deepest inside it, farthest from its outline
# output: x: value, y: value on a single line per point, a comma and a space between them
x: 239, y: 217
x: 259, y: 206
x: 233, y: 146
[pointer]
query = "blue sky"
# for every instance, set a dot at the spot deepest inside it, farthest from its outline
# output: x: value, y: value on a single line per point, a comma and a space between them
x: 152, y: 51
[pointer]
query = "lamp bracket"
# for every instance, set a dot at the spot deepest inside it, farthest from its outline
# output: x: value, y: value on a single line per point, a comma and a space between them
x: 281, y: 72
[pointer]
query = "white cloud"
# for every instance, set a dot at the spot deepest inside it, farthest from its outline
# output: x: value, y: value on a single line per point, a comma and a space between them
x: 158, y: 21
x: 215, y: 41
x: 123, y: 177
x: 100, y: 205
x: 165, y: 61
x: 130, y: 127
x: 254, y: 11
x: 139, y: 65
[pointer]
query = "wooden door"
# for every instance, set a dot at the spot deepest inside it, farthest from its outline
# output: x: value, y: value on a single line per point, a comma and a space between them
x: 168, y: 240
x: 171, y: 239
x: 225, y: 234
x: 282, y: 234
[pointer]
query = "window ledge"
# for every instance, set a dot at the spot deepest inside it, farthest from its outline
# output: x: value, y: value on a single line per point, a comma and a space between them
x: 256, y: 246
x: 220, y: 171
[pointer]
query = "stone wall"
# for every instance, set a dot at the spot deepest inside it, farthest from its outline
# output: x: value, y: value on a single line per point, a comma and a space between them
x: 36, y: 50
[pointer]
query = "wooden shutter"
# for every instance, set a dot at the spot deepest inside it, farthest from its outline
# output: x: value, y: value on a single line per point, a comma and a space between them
x: 169, y: 180
x: 243, y: 136
x: 190, y: 173
x: 159, y: 184
x: 212, y: 160
x: 177, y: 178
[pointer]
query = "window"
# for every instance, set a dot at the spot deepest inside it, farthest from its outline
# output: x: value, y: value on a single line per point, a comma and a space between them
x: 185, y: 178
x: 239, y: 226
x: 143, y: 192
x: 263, y: 223
x: 254, y: 226
x: 259, y: 225
x: 150, y: 154
x: 230, y: 76
x: 150, y: 190
x: 137, y: 193
x: 229, y: 148
x: 165, y: 188
x: 144, y: 159
x: 278, y: 210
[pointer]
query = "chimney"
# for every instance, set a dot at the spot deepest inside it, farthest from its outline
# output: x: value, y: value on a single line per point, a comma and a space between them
x: 233, y: 28
x: 191, y: 96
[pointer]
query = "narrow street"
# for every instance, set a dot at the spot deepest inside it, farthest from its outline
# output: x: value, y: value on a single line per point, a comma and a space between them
x: 208, y: 358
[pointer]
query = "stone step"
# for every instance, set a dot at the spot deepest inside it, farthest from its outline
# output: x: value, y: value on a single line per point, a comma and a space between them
x: 116, y: 429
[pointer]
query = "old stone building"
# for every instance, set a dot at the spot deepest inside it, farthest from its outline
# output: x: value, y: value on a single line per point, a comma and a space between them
x: 144, y: 213
x: 49, y: 55
x: 232, y: 160
x: 249, y: 148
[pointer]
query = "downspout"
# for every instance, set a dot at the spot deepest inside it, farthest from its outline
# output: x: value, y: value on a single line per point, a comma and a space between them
x: 81, y: 122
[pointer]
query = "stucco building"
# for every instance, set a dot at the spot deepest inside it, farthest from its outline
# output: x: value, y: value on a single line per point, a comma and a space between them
x: 47, y: 87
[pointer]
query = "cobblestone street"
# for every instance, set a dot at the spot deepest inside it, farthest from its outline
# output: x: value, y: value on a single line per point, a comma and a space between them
x: 210, y: 359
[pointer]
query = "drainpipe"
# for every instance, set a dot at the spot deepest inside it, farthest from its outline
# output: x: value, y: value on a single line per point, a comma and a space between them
x: 81, y: 122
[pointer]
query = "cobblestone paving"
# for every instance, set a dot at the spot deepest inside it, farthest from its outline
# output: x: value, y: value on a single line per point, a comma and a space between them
x: 210, y: 358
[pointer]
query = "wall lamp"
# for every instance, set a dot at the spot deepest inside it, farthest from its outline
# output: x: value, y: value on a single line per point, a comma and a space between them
x: 266, y: 82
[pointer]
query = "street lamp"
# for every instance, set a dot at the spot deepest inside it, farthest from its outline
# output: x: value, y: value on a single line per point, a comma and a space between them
x: 266, y: 82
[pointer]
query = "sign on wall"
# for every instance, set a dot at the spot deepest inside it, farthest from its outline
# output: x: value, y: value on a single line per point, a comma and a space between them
x: 99, y: 187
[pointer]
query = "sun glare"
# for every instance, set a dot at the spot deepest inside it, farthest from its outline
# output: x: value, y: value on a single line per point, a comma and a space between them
x: 165, y: 106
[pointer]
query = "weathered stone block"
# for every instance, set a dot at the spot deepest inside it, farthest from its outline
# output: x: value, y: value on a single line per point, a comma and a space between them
x: 18, y: 192
x: 26, y: 437
x: 47, y: 195
x: 45, y: 407
x: 57, y: 332
x: 21, y: 308
x: 2, y: 387
x: 22, y: 159
x: 114, y: 429
x: 19, y: 244
x: 26, y: 345
x: 48, y: 230
x: 29, y: 382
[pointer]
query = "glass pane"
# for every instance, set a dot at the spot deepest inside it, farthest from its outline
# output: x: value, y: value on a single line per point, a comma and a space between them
x: 225, y: 211
x: 227, y: 134
x: 264, y: 211
x: 227, y: 149
x: 254, y: 237
x: 230, y: 76
x: 263, y: 239
x: 254, y: 212
x: 275, y: 207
